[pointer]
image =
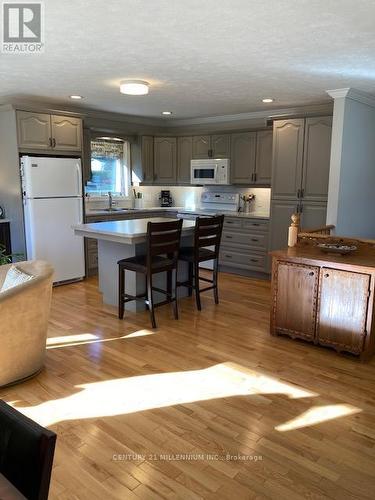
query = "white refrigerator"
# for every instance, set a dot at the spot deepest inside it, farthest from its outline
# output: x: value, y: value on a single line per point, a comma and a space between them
x: 52, y: 197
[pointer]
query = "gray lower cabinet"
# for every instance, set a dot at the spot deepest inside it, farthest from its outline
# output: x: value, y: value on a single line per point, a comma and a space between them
x: 243, y: 157
x: 66, y: 132
x: 313, y: 215
x: 44, y: 132
x: 244, y: 245
x: 34, y: 130
x: 184, y: 157
x: 165, y: 160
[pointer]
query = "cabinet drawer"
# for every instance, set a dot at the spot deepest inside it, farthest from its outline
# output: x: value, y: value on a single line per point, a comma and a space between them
x: 248, y: 240
x: 232, y: 223
x: 253, y: 261
x: 256, y: 225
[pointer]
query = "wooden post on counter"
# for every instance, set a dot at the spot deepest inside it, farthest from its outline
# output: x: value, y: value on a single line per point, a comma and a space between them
x: 293, y: 230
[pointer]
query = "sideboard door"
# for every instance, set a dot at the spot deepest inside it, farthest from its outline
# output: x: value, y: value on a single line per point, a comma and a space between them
x: 295, y: 299
x: 343, y: 303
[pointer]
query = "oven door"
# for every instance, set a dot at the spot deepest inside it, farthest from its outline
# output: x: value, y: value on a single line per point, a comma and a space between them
x: 203, y: 174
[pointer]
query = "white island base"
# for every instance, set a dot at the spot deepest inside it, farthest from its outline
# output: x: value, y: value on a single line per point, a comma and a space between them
x: 123, y: 239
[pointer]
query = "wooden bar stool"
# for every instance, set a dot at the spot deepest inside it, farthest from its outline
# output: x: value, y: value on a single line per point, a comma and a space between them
x: 163, y: 245
x: 207, y: 234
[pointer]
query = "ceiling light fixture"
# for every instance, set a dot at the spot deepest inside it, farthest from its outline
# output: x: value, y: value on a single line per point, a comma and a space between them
x: 76, y: 97
x: 268, y: 99
x: 166, y: 113
x: 134, y: 87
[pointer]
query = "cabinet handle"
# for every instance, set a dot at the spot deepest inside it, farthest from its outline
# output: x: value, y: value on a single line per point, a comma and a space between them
x: 254, y: 260
x: 53, y: 142
x: 326, y: 275
x: 302, y: 193
x: 254, y: 224
x: 300, y: 208
x: 254, y: 239
x: 229, y: 222
x: 50, y: 142
x: 255, y: 176
x: 298, y: 193
x: 228, y: 256
x: 229, y: 237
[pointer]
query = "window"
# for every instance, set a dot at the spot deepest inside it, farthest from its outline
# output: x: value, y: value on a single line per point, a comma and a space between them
x: 110, y: 168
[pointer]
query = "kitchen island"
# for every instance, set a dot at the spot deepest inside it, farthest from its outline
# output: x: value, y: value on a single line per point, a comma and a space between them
x: 127, y: 238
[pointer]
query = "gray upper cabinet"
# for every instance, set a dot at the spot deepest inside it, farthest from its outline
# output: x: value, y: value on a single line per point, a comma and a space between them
x: 220, y: 146
x: 287, y: 158
x: 201, y: 146
x: 263, y: 163
x: 165, y: 160
x: 184, y: 156
x: 34, y: 130
x: 316, y: 158
x: 66, y: 133
x: 243, y: 157
x: 41, y: 131
x: 147, y: 159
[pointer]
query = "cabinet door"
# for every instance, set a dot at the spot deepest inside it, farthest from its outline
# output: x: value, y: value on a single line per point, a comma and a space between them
x: 243, y: 157
x: 201, y: 146
x: 263, y: 163
x: 34, y: 130
x: 281, y: 212
x: 220, y: 146
x: 316, y: 158
x: 66, y: 133
x: 313, y: 215
x: 147, y: 158
x: 287, y: 158
x: 184, y: 156
x: 343, y: 301
x: 165, y: 160
x: 295, y: 299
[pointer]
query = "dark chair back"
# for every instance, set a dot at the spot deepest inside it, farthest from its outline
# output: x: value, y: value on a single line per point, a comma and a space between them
x: 163, y: 238
x: 26, y: 453
x: 208, y: 232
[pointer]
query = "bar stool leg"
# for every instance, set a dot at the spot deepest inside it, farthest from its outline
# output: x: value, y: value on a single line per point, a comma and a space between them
x: 196, y: 286
x: 150, y: 300
x: 190, y: 279
x: 121, y: 291
x: 215, y: 274
x: 169, y: 286
x: 175, y: 306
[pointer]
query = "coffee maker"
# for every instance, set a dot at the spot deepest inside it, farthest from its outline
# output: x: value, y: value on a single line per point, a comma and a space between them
x: 165, y: 198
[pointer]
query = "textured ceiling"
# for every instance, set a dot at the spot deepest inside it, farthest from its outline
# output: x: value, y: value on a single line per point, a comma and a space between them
x: 202, y: 58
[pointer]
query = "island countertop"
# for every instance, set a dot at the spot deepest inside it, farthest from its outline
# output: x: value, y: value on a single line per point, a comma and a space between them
x: 125, y: 231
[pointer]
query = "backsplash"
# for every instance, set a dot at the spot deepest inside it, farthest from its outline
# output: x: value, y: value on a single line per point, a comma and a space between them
x: 186, y: 197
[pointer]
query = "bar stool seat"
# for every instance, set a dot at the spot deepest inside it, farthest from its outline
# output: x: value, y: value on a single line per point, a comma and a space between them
x: 139, y: 263
x: 187, y: 254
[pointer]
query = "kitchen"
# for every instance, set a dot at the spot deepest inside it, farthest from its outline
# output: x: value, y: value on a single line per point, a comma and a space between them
x: 187, y: 259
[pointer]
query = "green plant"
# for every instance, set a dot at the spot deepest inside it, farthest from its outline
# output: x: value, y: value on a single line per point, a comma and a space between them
x: 5, y: 258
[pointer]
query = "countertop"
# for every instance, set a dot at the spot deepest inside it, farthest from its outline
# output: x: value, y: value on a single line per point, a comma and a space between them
x: 2, y: 221
x: 125, y: 231
x: 363, y: 257
x: 181, y: 210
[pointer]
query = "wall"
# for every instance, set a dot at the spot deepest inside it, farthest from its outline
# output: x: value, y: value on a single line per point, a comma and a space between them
x: 351, y: 204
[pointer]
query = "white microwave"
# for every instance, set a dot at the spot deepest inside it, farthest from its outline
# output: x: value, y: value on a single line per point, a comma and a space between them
x: 211, y: 171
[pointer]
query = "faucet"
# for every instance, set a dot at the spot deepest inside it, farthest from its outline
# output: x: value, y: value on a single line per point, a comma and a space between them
x: 110, y: 200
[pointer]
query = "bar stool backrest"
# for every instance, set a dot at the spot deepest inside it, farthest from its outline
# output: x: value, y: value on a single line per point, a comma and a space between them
x: 208, y: 232
x: 163, y: 238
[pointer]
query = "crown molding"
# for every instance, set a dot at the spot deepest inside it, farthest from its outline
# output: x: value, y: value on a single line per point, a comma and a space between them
x: 354, y: 94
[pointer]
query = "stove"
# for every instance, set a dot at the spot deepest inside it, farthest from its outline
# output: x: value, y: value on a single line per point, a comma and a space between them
x: 212, y: 203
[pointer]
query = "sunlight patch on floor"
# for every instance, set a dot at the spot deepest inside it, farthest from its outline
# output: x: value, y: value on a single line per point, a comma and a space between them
x: 145, y: 392
x: 89, y: 338
x: 317, y: 415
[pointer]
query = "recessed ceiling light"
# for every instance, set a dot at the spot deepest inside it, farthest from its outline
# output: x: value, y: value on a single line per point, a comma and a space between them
x: 268, y: 99
x: 166, y: 113
x: 76, y: 97
x: 134, y: 87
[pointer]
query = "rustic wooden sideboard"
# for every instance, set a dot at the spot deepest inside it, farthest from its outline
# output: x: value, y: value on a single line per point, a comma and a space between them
x: 326, y: 299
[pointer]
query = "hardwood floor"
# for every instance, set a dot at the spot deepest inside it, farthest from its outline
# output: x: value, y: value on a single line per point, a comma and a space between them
x: 210, y: 406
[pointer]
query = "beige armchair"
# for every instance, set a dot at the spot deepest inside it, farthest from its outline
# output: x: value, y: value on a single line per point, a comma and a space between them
x: 24, y: 313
